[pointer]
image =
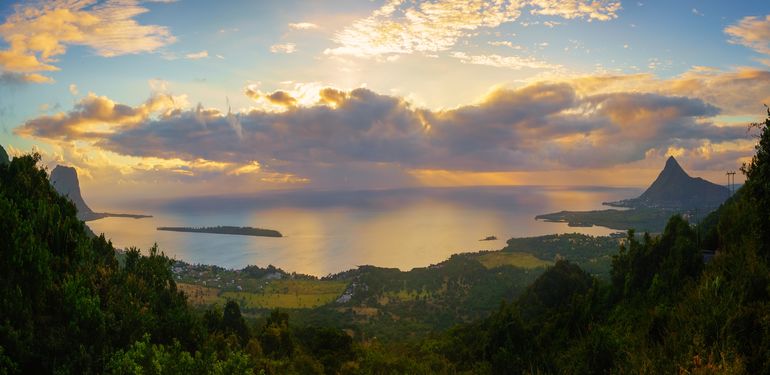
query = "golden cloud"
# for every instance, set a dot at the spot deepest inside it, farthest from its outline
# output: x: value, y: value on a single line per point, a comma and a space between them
x: 400, y: 27
x: 95, y: 117
x: 39, y: 32
x: 600, y: 10
x: 752, y: 32
x: 508, y: 62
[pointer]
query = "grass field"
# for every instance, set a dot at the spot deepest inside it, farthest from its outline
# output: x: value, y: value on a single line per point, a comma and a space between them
x: 499, y: 258
x: 287, y: 294
x: 200, y: 295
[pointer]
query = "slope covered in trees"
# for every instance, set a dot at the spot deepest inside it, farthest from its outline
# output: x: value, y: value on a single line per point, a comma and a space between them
x: 663, y: 311
x: 69, y: 306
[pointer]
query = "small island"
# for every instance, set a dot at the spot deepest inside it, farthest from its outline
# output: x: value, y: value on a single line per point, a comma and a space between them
x: 243, y: 231
x: 489, y: 238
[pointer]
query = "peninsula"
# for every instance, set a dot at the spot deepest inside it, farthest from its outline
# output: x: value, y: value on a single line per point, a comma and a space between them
x: 673, y: 192
x: 243, y: 231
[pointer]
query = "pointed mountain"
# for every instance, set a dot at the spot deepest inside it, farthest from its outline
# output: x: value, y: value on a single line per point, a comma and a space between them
x: 675, y: 189
x: 65, y: 181
x: 4, y: 159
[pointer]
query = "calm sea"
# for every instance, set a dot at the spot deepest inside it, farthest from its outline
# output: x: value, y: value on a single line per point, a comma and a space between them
x: 328, y: 232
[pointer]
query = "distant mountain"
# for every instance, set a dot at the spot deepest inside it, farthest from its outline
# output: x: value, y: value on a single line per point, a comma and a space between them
x: 4, y: 159
x: 65, y: 181
x: 675, y: 189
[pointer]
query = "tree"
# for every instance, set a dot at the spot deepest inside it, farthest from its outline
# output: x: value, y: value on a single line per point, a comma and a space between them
x: 757, y: 187
x: 233, y: 322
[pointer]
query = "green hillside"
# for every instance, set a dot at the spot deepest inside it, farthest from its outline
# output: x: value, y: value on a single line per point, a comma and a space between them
x: 69, y: 305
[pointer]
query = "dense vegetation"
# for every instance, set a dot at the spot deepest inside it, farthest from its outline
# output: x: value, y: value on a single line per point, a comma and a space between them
x: 663, y: 310
x: 69, y: 305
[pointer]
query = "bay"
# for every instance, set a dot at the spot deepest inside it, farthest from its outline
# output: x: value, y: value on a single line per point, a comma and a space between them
x: 332, y: 231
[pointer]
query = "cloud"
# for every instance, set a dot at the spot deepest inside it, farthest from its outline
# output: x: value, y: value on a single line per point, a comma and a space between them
x: 283, y: 48
x: 282, y: 98
x: 303, y: 26
x: 401, y: 27
x: 10, y: 78
x: 505, y: 43
x: 739, y: 92
x: 95, y: 117
x: 277, y: 98
x: 73, y: 89
x: 600, y: 10
x: 158, y: 85
x: 752, y: 32
x: 509, y: 62
x: 197, y: 55
x: 38, y: 32
x: 551, y: 126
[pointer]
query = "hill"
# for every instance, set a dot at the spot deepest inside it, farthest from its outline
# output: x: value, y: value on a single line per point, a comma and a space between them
x: 65, y: 181
x: 675, y: 189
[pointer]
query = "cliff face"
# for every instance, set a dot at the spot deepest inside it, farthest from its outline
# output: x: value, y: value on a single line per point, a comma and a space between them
x: 674, y: 188
x: 65, y: 181
x: 4, y: 159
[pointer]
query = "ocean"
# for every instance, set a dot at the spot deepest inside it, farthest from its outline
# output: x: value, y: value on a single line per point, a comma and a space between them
x: 326, y: 232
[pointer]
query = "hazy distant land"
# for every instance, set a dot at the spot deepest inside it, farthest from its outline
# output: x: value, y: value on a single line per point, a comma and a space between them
x: 673, y: 192
x: 243, y: 231
x: 642, y: 219
x: 89, y: 216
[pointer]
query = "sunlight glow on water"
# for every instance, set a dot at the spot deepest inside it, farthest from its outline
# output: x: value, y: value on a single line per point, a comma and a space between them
x: 332, y: 232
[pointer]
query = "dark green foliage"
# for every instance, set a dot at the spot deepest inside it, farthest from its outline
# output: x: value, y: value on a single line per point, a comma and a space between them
x: 233, y: 322
x: 48, y: 284
x: 70, y: 307
x: 276, y: 337
x: 659, y: 266
x: 664, y: 311
x: 757, y: 187
x: 332, y: 347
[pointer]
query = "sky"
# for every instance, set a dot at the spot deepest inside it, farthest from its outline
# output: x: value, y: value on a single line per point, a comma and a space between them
x: 171, y: 98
